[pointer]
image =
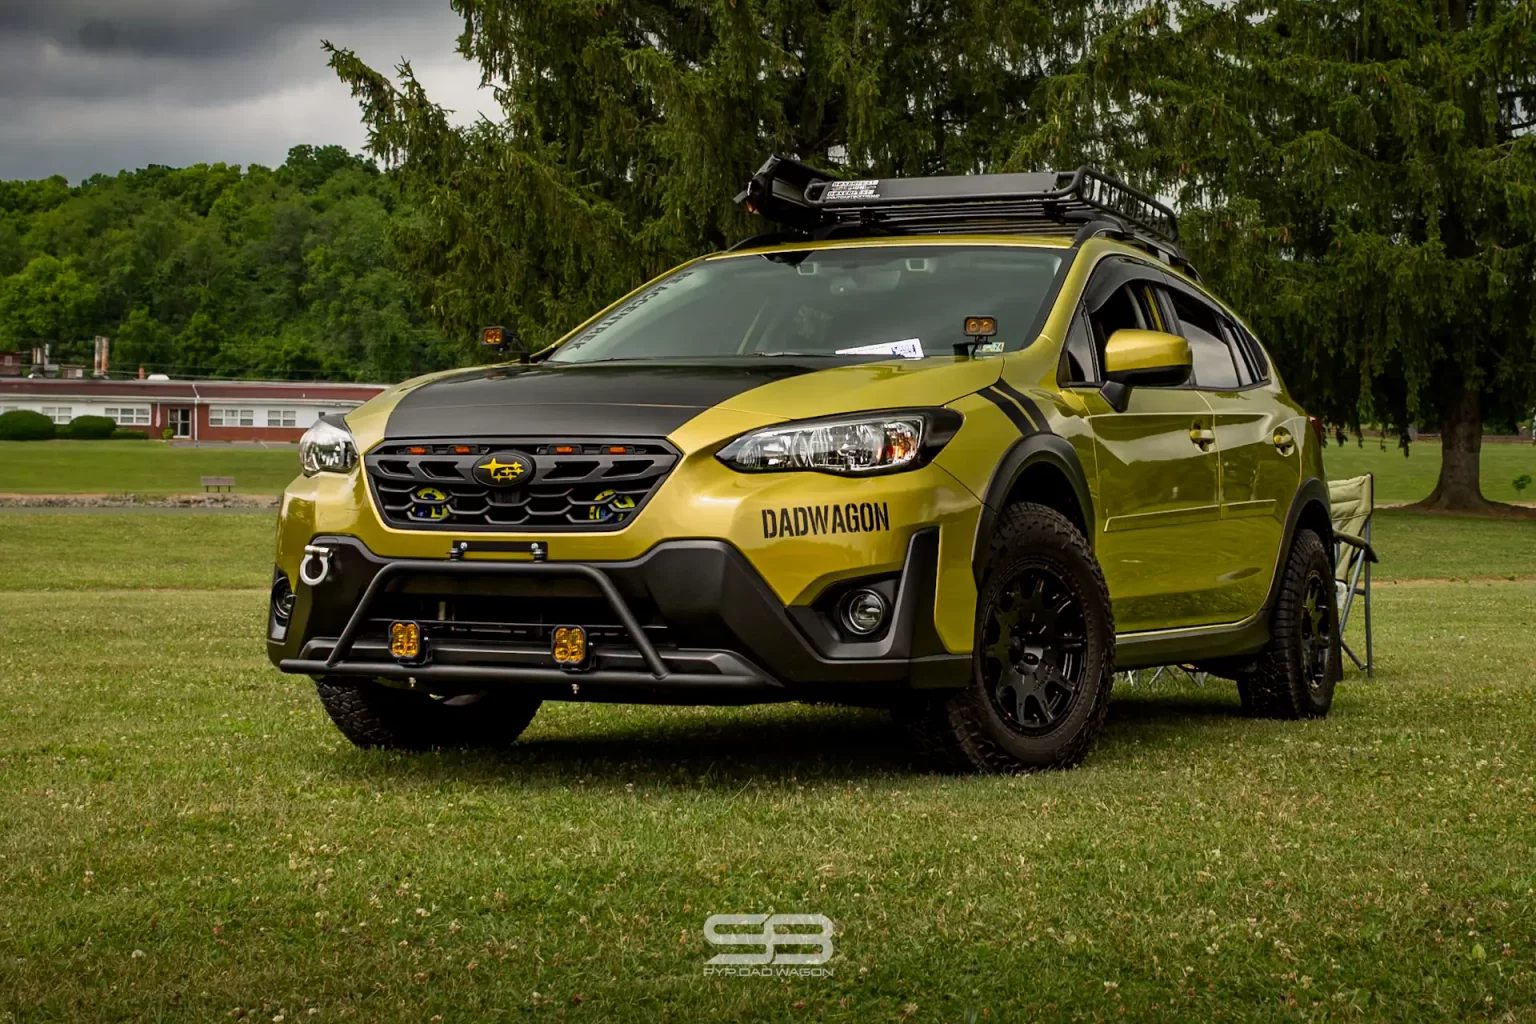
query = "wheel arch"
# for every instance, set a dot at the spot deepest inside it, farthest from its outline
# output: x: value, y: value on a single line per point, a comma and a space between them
x: 1042, y: 468
x: 1310, y: 510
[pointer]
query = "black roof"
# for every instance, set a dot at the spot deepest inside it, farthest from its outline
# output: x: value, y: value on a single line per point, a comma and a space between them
x: 820, y: 205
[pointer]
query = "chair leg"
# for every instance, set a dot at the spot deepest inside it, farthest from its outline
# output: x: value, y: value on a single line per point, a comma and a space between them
x: 1370, y: 659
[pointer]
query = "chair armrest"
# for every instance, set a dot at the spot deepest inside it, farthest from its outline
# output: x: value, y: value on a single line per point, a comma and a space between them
x: 1356, y: 542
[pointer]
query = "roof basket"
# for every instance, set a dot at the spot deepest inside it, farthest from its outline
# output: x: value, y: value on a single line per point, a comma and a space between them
x: 1039, y: 202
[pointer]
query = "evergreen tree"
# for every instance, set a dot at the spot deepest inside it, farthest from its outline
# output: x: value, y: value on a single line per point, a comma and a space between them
x: 1358, y: 175
x: 627, y: 127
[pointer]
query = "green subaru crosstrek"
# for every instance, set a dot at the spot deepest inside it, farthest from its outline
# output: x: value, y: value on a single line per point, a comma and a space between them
x: 953, y: 446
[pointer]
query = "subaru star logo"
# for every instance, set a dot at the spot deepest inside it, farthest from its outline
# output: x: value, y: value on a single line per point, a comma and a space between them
x: 503, y: 469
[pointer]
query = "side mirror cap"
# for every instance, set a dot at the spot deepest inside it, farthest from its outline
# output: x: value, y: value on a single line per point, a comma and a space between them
x: 1135, y: 358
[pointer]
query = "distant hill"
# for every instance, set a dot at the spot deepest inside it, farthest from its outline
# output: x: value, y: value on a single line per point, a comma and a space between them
x: 282, y: 272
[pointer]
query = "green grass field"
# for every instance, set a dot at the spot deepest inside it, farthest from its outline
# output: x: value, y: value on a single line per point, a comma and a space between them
x: 1409, y: 478
x: 184, y: 836
x: 146, y: 468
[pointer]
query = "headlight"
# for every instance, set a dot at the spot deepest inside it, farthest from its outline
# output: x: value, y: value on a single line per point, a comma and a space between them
x: 327, y: 447
x: 851, y: 446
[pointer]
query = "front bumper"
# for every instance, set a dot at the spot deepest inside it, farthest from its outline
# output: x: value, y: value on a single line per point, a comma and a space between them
x: 690, y: 621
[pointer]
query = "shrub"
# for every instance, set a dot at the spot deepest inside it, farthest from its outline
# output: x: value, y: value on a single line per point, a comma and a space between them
x: 167, y: 433
x: 90, y: 428
x: 1522, y: 482
x: 25, y: 425
x: 124, y: 434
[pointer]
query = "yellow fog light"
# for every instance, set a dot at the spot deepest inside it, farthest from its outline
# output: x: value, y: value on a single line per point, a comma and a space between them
x: 570, y: 646
x: 405, y: 640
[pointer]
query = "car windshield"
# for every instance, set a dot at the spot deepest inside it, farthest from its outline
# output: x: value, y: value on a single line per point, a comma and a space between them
x: 879, y: 301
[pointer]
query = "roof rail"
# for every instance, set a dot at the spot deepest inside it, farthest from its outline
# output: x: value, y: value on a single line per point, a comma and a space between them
x: 1040, y: 202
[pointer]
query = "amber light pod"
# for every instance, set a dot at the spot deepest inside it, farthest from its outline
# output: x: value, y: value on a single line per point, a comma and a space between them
x: 980, y: 326
x: 492, y: 336
x: 405, y: 640
x: 570, y: 646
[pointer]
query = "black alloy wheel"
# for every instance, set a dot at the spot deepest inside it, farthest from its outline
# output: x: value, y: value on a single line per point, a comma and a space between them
x: 1316, y: 622
x: 1035, y: 641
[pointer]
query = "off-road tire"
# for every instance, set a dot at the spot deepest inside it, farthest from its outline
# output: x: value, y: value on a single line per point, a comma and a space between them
x: 1294, y: 676
x: 371, y: 714
x: 973, y: 729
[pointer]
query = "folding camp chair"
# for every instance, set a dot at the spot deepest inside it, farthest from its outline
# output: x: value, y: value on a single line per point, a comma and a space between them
x: 1354, y: 502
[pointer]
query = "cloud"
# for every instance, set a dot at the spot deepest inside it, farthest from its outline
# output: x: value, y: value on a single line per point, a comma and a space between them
x: 90, y: 86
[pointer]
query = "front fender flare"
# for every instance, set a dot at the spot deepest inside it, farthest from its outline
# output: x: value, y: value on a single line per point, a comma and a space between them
x: 1026, y: 453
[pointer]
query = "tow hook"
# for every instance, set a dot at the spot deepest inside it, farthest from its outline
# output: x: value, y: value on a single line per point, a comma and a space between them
x: 316, y: 565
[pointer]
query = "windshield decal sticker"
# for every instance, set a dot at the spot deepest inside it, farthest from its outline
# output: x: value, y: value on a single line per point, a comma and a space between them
x: 910, y: 348
x: 816, y: 520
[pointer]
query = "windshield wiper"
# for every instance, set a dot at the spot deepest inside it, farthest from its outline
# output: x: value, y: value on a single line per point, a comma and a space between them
x: 792, y: 355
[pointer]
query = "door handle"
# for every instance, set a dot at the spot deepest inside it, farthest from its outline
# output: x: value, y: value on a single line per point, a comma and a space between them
x: 1284, y: 441
x: 1203, y: 437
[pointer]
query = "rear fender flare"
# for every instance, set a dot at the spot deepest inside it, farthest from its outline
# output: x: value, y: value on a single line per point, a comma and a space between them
x: 1313, y: 493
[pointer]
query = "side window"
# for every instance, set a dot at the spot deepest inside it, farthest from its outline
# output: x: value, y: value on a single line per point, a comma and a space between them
x: 1128, y: 307
x: 1147, y: 293
x: 1240, y: 356
x: 1215, y: 361
x: 1256, y: 356
x: 1079, y: 359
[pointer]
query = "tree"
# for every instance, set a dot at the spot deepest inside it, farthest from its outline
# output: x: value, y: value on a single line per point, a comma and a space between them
x: 1360, y: 176
x: 217, y: 271
x: 627, y: 128
x: 47, y: 303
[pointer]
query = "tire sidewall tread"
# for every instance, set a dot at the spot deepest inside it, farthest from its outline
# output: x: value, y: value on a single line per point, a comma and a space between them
x: 961, y: 731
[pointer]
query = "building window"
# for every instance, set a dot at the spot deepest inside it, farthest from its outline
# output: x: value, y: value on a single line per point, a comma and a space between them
x: 129, y: 415
x: 282, y: 418
x: 231, y: 417
x: 58, y: 413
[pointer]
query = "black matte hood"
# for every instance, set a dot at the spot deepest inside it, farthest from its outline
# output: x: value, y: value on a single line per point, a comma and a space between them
x: 617, y: 399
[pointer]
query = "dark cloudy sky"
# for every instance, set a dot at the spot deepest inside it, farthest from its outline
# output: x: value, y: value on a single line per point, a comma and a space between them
x: 100, y: 85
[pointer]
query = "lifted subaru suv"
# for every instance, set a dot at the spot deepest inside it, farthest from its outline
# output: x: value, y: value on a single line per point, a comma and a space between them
x: 959, y: 447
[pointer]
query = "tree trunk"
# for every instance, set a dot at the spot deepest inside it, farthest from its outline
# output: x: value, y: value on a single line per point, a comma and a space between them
x: 1461, y: 448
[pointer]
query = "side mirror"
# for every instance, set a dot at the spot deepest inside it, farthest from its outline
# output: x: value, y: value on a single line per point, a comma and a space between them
x: 1135, y: 358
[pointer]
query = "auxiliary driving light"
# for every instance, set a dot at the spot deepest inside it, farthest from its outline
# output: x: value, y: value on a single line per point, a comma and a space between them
x: 570, y: 646
x: 864, y: 611
x: 405, y: 640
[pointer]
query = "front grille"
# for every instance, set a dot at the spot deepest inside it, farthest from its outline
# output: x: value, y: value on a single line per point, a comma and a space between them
x: 516, y: 485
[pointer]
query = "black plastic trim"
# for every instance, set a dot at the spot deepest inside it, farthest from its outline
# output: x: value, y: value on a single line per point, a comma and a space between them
x: 1050, y: 449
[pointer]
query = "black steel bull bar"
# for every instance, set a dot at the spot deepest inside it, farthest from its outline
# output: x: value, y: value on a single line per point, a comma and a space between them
x: 336, y: 663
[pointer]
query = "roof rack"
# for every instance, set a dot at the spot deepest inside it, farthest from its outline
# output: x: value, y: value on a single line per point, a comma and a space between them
x: 1041, y: 202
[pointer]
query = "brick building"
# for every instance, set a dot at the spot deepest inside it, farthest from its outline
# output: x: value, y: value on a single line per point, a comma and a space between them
x: 196, y: 410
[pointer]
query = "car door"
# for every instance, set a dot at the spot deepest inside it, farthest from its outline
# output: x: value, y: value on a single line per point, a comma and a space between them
x: 1156, y: 461
x: 1255, y: 441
